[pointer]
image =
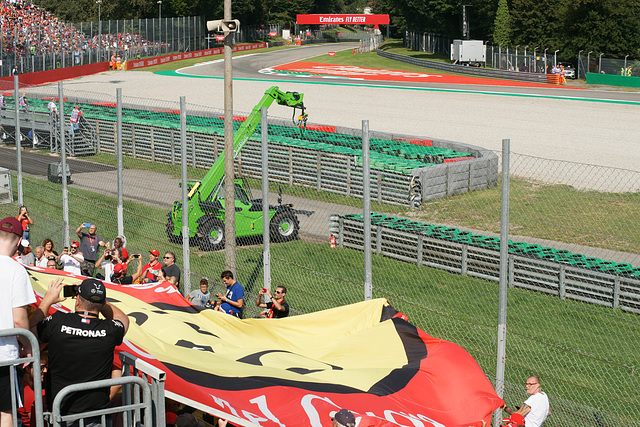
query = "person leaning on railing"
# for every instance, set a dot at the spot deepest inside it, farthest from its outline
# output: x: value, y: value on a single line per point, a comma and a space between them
x: 81, y: 345
x: 13, y: 309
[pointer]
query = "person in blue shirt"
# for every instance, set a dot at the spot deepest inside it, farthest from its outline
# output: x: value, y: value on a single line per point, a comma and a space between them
x: 232, y: 300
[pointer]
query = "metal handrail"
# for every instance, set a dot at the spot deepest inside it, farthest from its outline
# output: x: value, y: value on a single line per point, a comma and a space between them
x: 37, y: 378
x: 58, y: 418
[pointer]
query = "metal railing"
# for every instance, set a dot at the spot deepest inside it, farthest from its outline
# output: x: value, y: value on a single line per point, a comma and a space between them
x: 545, y: 276
x: 133, y: 384
x: 37, y: 379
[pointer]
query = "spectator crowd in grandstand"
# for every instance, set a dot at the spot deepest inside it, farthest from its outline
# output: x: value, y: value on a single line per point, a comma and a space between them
x: 27, y: 29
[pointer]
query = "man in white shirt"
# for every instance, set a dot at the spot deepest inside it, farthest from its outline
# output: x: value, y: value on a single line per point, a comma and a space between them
x: 71, y: 261
x: 16, y: 287
x: 41, y: 260
x: 536, y: 408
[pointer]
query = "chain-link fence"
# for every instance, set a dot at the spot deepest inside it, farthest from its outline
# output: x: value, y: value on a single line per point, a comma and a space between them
x: 574, y: 257
x: 529, y: 59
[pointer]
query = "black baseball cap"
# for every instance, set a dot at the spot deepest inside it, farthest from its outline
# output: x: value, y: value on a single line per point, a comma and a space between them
x: 93, y: 290
x: 344, y: 418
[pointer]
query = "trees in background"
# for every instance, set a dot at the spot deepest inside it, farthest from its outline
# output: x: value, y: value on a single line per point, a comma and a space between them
x: 609, y: 26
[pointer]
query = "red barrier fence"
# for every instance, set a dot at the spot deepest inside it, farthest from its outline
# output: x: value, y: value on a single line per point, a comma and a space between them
x: 48, y: 76
x: 41, y: 77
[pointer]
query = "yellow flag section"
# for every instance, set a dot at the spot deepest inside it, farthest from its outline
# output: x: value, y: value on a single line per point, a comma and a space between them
x: 365, y: 357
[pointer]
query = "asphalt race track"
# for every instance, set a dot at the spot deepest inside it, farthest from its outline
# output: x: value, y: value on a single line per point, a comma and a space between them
x: 592, y: 126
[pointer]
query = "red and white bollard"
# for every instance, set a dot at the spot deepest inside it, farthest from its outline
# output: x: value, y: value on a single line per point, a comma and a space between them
x: 332, y: 241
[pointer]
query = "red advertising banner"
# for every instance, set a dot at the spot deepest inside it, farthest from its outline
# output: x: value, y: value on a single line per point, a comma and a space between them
x: 365, y: 357
x: 342, y: 19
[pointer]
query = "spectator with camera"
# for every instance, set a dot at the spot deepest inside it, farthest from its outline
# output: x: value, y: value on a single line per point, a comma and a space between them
x: 276, y: 306
x: 119, y: 275
x: 92, y: 341
x: 108, y: 260
x: 71, y: 260
x: 25, y: 220
x: 89, y: 244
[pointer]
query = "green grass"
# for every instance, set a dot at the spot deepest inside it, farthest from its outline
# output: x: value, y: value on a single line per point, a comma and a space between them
x: 585, y: 354
x: 554, y: 212
x: 342, y: 57
x: 372, y: 60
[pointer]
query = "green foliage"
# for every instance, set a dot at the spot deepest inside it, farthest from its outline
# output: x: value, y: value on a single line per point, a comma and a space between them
x: 502, y: 27
x: 609, y: 26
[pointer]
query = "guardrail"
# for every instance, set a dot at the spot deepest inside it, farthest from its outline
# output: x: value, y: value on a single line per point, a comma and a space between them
x: 463, y: 69
x: 554, y: 278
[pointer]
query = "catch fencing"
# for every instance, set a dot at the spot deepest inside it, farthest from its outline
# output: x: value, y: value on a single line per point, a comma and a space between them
x: 583, y: 349
x: 527, y: 59
x: 94, y: 42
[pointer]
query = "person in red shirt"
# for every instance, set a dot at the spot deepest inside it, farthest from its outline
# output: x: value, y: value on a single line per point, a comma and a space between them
x: 25, y: 221
x: 152, y: 268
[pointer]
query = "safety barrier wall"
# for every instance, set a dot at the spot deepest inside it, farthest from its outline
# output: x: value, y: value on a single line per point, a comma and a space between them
x: 612, y: 80
x: 41, y: 77
x: 564, y: 281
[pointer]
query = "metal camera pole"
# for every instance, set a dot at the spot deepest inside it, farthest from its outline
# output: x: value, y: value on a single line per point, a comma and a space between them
x: 229, y: 193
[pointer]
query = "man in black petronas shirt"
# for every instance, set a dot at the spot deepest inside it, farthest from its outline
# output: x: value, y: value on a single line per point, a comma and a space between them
x: 81, y: 345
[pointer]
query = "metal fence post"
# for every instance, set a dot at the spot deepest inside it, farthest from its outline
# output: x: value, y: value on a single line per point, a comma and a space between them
x: 266, y: 238
x: 504, y: 252
x: 16, y: 91
x: 186, y: 266
x: 366, y: 201
x: 63, y: 159
x: 120, y: 211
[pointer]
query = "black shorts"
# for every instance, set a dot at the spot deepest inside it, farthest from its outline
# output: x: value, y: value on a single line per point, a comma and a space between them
x: 5, y: 387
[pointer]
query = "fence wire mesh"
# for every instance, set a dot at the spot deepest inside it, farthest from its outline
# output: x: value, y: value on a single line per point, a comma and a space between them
x: 573, y: 298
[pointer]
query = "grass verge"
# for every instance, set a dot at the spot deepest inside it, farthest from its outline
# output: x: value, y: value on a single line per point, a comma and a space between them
x: 586, y: 354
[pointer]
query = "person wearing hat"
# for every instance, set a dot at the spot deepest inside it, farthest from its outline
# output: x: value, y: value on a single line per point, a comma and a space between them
x: 81, y: 344
x: 536, y: 408
x: 119, y: 275
x: 71, y: 260
x: 27, y: 257
x: 13, y: 311
x: 342, y: 418
x: 152, y: 268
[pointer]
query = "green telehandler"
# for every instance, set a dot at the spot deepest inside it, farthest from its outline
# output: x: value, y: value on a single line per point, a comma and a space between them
x: 206, y: 204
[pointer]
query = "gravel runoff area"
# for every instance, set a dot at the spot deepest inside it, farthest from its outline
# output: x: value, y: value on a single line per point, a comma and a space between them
x: 592, y: 132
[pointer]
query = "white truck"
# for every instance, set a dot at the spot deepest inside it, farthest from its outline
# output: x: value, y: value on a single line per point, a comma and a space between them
x: 469, y: 52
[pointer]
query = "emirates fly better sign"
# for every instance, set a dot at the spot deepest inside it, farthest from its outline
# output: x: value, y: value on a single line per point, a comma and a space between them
x: 319, y: 19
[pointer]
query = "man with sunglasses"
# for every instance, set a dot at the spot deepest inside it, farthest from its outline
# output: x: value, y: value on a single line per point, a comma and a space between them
x: 71, y: 261
x: 536, y: 408
x: 276, y: 306
x: 173, y: 271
